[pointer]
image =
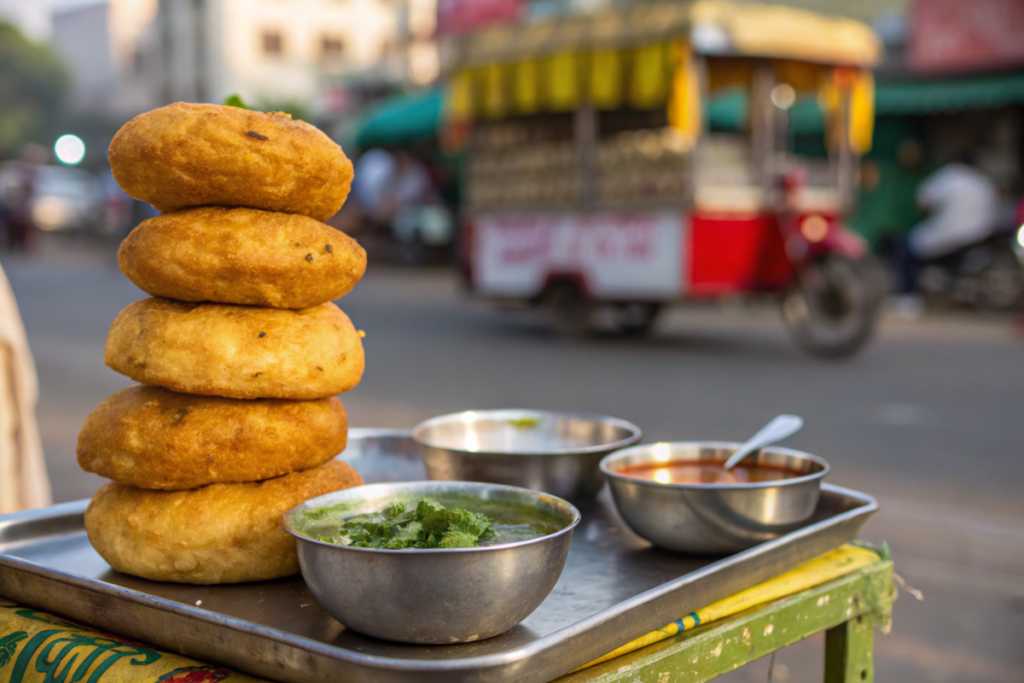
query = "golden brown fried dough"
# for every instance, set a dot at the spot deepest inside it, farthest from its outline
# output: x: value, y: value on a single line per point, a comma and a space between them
x: 185, y: 155
x: 236, y: 351
x: 222, y: 533
x: 242, y: 256
x: 156, y: 439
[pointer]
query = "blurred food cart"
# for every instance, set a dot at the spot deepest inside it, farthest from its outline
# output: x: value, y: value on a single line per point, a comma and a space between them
x: 594, y: 185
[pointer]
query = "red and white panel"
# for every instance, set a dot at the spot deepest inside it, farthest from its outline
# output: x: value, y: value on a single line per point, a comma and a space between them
x: 613, y: 255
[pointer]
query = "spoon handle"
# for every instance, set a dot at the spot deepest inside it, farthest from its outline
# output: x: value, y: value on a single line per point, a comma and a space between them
x: 773, y: 432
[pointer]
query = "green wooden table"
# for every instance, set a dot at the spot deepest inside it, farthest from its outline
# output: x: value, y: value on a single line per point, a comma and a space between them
x: 35, y: 646
x: 847, y: 609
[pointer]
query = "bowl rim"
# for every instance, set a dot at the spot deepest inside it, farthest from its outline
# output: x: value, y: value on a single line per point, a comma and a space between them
x: 414, y: 485
x: 606, y: 462
x: 635, y: 433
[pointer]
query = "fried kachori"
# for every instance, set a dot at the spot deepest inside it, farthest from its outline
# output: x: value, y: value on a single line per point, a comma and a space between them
x: 242, y: 256
x: 185, y: 155
x: 236, y: 351
x: 222, y: 533
x: 153, y: 438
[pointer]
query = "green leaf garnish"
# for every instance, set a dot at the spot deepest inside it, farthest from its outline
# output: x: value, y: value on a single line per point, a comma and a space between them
x: 235, y: 101
x: 428, y: 525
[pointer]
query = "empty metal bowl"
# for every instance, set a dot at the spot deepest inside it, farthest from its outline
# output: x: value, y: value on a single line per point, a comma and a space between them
x: 558, y: 453
x: 456, y: 595
x: 713, y: 518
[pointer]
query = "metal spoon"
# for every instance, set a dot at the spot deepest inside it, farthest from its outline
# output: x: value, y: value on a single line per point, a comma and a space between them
x: 773, y: 432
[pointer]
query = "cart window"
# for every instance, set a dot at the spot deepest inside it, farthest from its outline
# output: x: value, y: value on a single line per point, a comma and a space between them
x: 766, y: 125
x: 640, y: 159
x: 525, y: 161
x: 725, y: 176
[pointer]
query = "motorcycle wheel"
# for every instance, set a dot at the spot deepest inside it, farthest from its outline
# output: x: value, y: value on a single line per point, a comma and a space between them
x: 637, y: 319
x: 1001, y: 283
x: 832, y: 306
x: 568, y: 309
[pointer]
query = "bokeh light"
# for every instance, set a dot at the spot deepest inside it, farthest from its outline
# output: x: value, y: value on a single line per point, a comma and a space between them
x: 783, y: 96
x: 814, y: 228
x: 69, y: 149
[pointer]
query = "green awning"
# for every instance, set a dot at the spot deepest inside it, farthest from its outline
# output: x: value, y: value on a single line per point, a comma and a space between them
x: 411, y: 118
x: 401, y: 120
x: 728, y: 111
x: 928, y: 97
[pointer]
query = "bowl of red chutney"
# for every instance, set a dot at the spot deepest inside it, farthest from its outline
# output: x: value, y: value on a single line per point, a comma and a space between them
x: 679, y: 496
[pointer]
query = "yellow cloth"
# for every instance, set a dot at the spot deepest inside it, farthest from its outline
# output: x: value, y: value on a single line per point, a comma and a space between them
x: 606, y: 79
x: 684, y: 110
x: 650, y: 78
x: 526, y: 87
x: 862, y: 112
x: 831, y: 565
x: 460, y: 97
x: 36, y: 647
x: 495, y: 92
x: 563, y: 82
x: 859, y: 86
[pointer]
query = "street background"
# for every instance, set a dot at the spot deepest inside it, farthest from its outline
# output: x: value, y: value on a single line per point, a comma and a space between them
x: 927, y: 419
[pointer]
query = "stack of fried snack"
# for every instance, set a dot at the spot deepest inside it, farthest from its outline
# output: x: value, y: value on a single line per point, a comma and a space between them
x: 239, y: 353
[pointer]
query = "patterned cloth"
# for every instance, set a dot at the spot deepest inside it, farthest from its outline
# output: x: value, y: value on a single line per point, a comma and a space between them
x: 36, y: 647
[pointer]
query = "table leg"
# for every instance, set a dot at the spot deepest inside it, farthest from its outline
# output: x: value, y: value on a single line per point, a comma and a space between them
x: 848, y: 651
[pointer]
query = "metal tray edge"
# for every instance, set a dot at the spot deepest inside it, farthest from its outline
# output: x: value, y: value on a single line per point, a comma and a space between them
x: 618, y: 619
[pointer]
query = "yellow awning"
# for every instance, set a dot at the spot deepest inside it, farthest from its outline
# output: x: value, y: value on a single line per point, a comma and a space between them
x: 717, y: 27
x: 727, y: 28
x: 641, y: 56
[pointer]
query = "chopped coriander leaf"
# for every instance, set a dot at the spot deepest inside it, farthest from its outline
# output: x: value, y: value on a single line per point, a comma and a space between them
x: 428, y: 525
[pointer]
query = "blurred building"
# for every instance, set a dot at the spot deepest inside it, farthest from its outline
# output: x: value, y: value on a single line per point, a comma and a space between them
x: 862, y: 10
x: 276, y: 51
x: 953, y: 86
x: 108, y: 48
x: 32, y: 17
x: 127, y: 56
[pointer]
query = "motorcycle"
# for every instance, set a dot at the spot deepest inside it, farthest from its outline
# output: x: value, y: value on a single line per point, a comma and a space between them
x: 986, y: 276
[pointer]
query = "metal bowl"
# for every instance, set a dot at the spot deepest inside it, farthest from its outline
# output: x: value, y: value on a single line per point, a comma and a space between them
x: 558, y: 453
x: 713, y: 518
x: 446, y: 596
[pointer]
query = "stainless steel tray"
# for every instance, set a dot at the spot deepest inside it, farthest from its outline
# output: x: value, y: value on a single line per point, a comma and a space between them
x: 615, y: 587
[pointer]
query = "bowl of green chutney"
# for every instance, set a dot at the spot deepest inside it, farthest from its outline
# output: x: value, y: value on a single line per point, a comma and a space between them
x: 433, y: 562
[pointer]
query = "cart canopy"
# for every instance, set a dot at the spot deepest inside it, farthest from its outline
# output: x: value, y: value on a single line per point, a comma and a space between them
x: 641, y: 57
x: 713, y: 27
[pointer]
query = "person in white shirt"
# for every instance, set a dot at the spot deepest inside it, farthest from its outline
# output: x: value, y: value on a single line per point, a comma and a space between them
x: 963, y: 206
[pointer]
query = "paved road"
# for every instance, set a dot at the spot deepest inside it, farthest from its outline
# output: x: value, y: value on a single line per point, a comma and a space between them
x: 929, y: 419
